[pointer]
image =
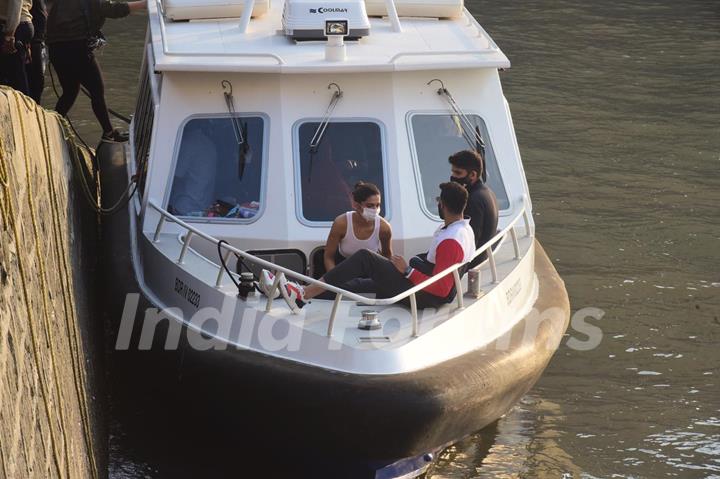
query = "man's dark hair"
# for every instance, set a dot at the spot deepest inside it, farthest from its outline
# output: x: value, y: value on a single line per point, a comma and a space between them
x: 363, y: 191
x: 468, y: 160
x: 454, y: 197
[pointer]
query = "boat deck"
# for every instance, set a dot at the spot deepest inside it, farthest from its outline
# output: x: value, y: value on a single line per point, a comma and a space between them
x: 391, y: 349
x: 219, y: 45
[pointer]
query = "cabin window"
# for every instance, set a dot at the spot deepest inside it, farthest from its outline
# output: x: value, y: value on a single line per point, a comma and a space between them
x: 348, y: 152
x: 436, y: 137
x: 216, y: 176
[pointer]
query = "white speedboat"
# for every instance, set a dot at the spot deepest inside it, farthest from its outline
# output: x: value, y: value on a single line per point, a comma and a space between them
x: 253, y: 121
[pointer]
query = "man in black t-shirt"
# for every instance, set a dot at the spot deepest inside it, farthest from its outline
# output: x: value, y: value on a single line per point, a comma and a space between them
x: 467, y: 169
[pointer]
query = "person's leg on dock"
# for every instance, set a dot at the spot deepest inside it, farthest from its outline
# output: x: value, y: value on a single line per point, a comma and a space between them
x: 34, y: 71
x: 67, y: 59
x: 92, y: 80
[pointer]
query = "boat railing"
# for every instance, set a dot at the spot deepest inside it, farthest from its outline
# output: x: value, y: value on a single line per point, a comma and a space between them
x: 281, y: 271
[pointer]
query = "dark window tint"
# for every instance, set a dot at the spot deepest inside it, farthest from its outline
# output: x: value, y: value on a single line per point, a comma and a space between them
x: 347, y: 153
x: 142, y: 126
x: 215, y: 177
x: 437, y: 137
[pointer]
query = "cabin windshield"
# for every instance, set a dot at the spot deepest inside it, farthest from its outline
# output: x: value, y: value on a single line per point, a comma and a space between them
x: 216, y: 176
x: 436, y: 137
x: 349, y: 151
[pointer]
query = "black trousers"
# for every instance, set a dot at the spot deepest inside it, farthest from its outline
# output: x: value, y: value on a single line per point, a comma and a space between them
x: 12, y: 67
x: 357, y: 285
x: 34, y: 71
x: 387, y: 280
x: 76, y: 65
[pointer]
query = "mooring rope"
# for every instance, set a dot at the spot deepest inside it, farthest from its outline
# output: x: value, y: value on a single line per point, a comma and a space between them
x: 72, y: 329
x: 5, y: 195
x: 4, y: 181
x: 4, y: 178
x: 71, y: 138
x: 72, y: 134
x: 41, y: 266
x: 33, y: 334
x: 81, y: 389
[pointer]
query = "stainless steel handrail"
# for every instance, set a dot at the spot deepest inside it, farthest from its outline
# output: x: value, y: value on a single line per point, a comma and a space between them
x: 481, y: 31
x: 279, y: 271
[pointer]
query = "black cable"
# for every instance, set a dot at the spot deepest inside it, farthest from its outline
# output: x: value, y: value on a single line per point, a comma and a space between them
x: 52, y: 81
x: 242, y: 290
x: 224, y: 265
x: 242, y: 262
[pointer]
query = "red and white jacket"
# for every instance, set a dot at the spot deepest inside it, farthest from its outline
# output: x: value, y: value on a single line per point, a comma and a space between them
x: 452, y: 244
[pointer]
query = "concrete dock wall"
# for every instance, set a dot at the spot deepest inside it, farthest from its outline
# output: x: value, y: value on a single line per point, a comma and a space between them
x: 49, y: 361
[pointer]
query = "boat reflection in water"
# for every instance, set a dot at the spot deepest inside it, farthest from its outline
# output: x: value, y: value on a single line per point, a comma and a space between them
x: 244, y: 144
x: 511, y: 447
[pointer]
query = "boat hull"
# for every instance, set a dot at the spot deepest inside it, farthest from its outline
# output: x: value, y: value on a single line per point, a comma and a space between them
x: 381, y: 416
x: 367, y: 418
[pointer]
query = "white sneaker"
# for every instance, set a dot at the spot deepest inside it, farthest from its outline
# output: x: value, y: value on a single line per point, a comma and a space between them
x: 294, y: 295
x: 266, y: 283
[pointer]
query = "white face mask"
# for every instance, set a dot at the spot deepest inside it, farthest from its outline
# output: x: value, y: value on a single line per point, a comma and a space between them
x: 370, y: 213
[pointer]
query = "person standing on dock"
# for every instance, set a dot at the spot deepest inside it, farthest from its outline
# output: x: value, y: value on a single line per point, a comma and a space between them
x: 17, y: 33
x: 73, y: 34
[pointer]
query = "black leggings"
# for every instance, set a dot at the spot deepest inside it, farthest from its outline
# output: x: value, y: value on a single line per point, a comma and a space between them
x: 387, y: 280
x: 76, y: 65
x: 357, y: 285
x: 35, y: 73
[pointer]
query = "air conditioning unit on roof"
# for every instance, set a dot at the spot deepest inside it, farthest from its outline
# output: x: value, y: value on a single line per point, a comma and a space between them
x: 305, y: 19
x: 210, y: 9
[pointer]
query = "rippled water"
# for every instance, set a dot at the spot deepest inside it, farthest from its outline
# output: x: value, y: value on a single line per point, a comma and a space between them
x: 617, y: 111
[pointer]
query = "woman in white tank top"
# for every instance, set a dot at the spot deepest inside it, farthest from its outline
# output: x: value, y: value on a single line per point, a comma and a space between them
x: 361, y: 228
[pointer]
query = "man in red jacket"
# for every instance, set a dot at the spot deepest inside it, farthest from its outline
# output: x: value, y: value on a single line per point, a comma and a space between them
x: 452, y: 243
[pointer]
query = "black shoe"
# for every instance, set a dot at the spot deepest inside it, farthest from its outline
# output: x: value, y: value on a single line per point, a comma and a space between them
x: 115, y: 136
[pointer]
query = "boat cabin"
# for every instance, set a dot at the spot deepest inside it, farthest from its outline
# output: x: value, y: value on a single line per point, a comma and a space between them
x: 255, y: 120
x: 274, y: 169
